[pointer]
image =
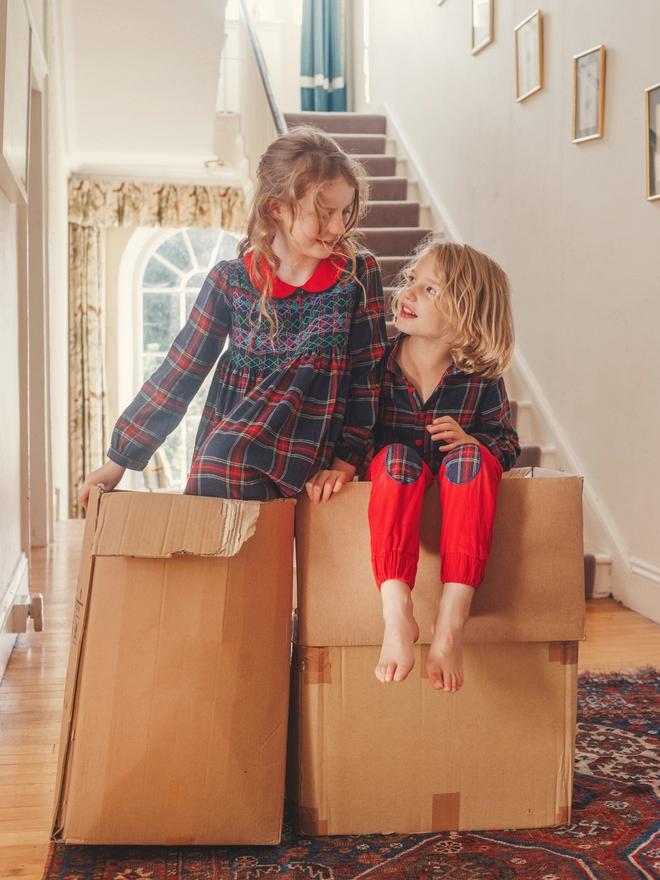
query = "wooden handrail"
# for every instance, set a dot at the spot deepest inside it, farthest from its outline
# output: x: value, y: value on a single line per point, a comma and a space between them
x: 278, y: 116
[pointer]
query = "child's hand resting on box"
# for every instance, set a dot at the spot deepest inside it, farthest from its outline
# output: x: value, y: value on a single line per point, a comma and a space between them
x: 448, y: 430
x: 324, y: 484
x: 108, y: 475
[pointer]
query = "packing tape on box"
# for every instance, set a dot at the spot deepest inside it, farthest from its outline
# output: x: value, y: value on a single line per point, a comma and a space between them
x: 446, y: 811
x: 563, y: 816
x: 309, y: 822
x: 315, y: 666
x: 565, y: 653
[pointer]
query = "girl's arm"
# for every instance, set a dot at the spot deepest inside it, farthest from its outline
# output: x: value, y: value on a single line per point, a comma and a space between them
x: 366, y: 348
x: 493, y: 428
x: 163, y: 399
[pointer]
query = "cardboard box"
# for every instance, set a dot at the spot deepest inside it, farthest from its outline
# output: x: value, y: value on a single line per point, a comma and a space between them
x: 365, y: 757
x: 174, y: 728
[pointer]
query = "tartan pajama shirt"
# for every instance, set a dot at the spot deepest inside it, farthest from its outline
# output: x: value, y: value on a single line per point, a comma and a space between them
x: 279, y: 407
x: 408, y: 460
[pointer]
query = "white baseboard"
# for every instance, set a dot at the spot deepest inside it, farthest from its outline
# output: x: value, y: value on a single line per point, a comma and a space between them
x: 19, y: 587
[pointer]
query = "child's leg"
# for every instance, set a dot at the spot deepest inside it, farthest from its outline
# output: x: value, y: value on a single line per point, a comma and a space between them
x: 469, y: 480
x: 399, y: 479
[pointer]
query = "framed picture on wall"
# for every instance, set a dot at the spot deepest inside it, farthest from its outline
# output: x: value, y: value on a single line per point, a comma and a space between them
x: 482, y: 24
x: 588, y: 94
x: 653, y: 142
x: 15, y: 71
x: 529, y: 55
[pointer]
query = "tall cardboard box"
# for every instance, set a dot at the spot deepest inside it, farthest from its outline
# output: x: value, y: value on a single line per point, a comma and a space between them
x: 175, y: 716
x: 366, y: 757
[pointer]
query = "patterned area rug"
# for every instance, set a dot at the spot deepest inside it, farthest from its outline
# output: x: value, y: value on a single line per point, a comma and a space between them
x: 615, y: 830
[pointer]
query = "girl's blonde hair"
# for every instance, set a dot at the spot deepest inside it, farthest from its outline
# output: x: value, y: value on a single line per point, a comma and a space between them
x: 305, y: 158
x: 476, y: 299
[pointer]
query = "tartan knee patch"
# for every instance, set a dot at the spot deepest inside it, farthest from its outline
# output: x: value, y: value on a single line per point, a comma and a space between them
x: 463, y: 464
x: 403, y: 464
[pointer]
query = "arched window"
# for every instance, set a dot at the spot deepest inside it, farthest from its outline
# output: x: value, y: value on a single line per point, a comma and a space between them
x: 172, y: 277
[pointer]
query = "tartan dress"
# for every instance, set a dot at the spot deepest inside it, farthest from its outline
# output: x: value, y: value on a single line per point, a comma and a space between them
x: 279, y: 407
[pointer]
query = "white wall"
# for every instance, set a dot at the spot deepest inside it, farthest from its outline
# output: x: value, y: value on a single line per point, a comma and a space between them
x: 58, y: 172
x: 569, y: 223
x: 10, y: 447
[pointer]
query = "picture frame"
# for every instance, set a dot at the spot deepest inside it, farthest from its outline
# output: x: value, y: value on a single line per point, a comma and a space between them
x: 588, y: 94
x: 653, y: 142
x: 15, y: 82
x: 482, y: 24
x: 529, y: 55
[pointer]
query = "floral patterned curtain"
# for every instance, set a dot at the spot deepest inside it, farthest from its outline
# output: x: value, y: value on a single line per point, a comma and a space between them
x: 93, y: 206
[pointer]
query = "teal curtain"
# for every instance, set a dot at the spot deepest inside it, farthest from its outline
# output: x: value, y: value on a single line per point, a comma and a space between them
x: 323, y: 61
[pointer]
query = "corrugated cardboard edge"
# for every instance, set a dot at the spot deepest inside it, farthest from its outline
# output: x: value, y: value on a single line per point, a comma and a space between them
x: 566, y: 770
x: 85, y: 574
x: 226, y: 527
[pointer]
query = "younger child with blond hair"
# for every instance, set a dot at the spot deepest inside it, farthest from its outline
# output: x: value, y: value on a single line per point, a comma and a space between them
x: 443, y: 417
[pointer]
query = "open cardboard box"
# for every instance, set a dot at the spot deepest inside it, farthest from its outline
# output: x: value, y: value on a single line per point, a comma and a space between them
x: 371, y: 758
x: 175, y: 715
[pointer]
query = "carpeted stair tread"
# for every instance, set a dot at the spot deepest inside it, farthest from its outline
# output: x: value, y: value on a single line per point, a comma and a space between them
x: 530, y: 455
x: 388, y: 188
x: 391, y: 213
x: 377, y: 165
x: 390, y: 268
x: 340, y: 123
x: 373, y: 144
x: 397, y: 241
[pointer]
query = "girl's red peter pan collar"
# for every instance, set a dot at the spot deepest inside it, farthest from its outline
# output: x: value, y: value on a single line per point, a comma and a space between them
x: 324, y: 276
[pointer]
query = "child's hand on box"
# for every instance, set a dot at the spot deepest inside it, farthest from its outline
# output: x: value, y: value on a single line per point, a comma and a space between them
x: 448, y: 430
x: 325, y: 484
x: 108, y: 475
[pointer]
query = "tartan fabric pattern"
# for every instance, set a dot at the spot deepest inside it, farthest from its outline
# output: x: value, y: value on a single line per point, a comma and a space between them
x: 463, y: 464
x: 278, y: 408
x: 479, y: 405
x: 402, y: 464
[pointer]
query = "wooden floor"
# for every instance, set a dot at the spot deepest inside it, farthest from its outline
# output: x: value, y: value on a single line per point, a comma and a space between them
x: 33, y: 686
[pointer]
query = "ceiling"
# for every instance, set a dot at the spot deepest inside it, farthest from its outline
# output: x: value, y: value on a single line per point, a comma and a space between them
x: 139, y: 80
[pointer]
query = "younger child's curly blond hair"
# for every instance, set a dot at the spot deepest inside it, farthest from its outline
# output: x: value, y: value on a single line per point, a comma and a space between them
x: 477, y: 302
x: 304, y: 159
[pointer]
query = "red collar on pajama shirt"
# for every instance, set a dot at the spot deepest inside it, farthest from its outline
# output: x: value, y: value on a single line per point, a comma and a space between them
x: 324, y: 276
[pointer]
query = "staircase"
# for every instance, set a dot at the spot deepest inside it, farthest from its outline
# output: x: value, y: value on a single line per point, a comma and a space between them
x: 391, y: 228
x: 395, y: 223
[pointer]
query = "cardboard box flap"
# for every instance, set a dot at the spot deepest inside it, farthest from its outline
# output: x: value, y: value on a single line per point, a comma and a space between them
x: 140, y: 524
x: 534, y: 585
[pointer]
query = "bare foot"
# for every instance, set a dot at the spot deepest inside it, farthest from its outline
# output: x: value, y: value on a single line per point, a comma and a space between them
x: 397, y: 655
x: 445, y: 661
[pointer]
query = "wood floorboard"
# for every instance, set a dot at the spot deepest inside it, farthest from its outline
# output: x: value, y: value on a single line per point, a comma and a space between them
x: 32, y: 691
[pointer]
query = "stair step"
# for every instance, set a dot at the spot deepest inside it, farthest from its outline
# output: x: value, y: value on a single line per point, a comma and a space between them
x: 530, y: 455
x: 390, y: 268
x: 373, y: 144
x: 391, y: 214
x: 597, y: 575
x: 340, y: 123
x: 378, y: 166
x: 394, y: 242
x: 388, y: 188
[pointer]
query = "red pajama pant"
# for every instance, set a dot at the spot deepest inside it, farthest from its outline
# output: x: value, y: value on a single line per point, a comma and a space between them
x: 469, y: 478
